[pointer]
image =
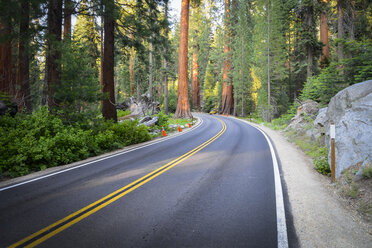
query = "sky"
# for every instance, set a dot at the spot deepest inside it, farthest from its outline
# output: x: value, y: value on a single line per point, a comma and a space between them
x: 175, y: 6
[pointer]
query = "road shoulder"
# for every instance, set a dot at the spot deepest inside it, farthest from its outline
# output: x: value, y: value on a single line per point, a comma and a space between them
x: 318, y: 217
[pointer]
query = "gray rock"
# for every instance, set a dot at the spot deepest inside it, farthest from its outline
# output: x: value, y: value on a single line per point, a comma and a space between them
x: 365, y: 164
x: 306, y: 111
x: 351, y: 111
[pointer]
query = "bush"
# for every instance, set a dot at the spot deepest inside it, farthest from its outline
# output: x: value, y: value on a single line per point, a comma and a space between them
x: 41, y: 140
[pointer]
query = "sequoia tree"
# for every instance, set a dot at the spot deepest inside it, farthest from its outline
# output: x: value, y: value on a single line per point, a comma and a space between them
x: 183, y: 106
x: 227, y: 88
x: 108, y: 89
x: 23, y: 74
x: 53, y: 67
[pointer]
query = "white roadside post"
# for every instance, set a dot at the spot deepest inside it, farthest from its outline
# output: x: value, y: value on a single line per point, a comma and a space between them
x: 333, y: 152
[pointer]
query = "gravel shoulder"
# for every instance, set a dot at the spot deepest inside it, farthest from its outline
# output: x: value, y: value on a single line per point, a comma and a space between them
x: 319, y: 217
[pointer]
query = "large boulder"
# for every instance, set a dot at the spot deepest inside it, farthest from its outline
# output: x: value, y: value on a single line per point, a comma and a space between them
x: 305, y: 112
x: 140, y: 108
x: 351, y: 111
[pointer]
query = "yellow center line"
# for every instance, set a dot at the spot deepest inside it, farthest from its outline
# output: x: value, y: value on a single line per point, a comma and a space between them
x: 103, y: 202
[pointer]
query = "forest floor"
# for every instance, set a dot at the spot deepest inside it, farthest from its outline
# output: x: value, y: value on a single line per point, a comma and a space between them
x: 322, y: 215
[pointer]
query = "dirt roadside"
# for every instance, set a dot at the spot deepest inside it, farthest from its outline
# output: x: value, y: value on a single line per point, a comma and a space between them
x: 319, y: 217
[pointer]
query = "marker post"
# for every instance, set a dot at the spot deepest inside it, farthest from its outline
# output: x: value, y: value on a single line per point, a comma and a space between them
x: 333, y: 152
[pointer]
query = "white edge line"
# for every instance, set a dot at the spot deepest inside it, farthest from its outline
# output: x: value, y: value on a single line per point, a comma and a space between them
x: 280, y: 211
x: 101, y: 159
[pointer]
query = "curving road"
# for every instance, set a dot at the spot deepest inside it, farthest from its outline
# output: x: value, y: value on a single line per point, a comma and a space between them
x: 215, y: 186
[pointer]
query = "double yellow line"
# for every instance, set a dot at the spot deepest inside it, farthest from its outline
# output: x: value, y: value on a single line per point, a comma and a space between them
x: 57, y: 227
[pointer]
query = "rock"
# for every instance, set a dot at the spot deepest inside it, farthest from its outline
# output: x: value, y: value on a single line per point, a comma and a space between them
x: 149, y: 121
x: 140, y: 108
x: 351, y: 111
x: 321, y: 119
x: 317, y: 133
x: 306, y: 111
x: 365, y: 164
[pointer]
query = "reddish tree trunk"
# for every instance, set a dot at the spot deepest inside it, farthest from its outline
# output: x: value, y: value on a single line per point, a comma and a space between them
x: 108, y: 104
x: 67, y: 23
x: 53, y: 53
x: 324, y: 59
x: 23, y: 74
x: 227, y: 88
x: 5, y: 60
x: 183, y: 106
x: 195, y: 79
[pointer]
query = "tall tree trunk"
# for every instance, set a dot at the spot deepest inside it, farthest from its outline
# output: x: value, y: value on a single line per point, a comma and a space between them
x: 23, y: 73
x: 67, y: 12
x: 324, y: 59
x: 195, y: 79
x: 340, y: 29
x: 5, y: 59
x: 108, y: 89
x: 150, y: 72
x: 227, y: 87
x: 183, y: 106
x: 165, y: 63
x: 53, y: 54
x: 268, y: 60
x: 131, y: 73
x: 101, y: 46
x: 309, y: 48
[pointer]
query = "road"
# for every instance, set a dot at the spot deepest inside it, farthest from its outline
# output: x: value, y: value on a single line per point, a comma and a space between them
x: 215, y: 186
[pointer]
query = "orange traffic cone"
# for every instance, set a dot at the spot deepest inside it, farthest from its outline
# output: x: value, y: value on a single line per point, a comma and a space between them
x: 189, y: 123
x: 164, y: 134
x: 179, y: 128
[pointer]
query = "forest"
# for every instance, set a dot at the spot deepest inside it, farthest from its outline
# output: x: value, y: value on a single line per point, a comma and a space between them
x: 66, y: 65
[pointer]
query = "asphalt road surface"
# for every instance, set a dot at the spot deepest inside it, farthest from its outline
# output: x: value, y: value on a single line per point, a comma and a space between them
x: 215, y: 186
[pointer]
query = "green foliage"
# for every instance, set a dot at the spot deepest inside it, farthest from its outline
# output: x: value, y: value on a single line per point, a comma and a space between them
x: 121, y: 113
x: 163, y: 119
x: 337, y: 76
x: 367, y: 171
x: 41, y: 140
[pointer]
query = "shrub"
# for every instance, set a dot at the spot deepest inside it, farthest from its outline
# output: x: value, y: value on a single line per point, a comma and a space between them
x: 41, y: 140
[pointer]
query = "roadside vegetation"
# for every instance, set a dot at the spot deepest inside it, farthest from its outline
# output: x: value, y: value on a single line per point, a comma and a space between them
x: 33, y: 142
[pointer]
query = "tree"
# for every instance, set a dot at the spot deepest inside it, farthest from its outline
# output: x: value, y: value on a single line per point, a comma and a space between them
x: 165, y: 62
x: 195, y: 80
x: 5, y: 58
x: 183, y: 106
x: 67, y: 12
x: 108, y: 87
x: 23, y: 75
x: 324, y: 59
x: 227, y: 88
x: 53, y: 67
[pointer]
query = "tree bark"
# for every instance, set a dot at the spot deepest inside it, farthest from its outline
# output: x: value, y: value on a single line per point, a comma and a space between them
x: 183, y: 106
x: 5, y: 60
x: 67, y: 12
x: 165, y: 63
x: 309, y: 69
x: 108, y: 89
x: 53, y: 66
x: 150, y: 72
x: 227, y: 87
x: 195, y: 79
x: 324, y: 59
x: 340, y: 29
x: 131, y: 73
x: 23, y: 72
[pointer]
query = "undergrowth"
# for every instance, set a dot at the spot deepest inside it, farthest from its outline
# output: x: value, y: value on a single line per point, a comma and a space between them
x: 41, y: 140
